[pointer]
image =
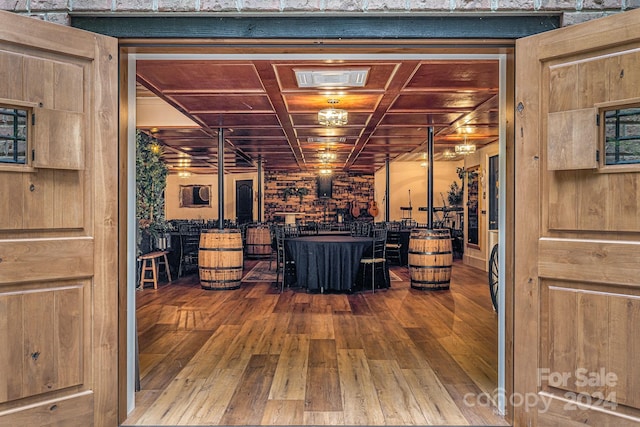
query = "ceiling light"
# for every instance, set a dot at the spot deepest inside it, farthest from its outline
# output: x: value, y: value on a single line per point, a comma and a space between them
x: 326, y: 156
x: 465, y: 148
x: 332, y: 77
x: 332, y: 117
x: 325, y: 171
x: 326, y: 139
x: 449, y: 155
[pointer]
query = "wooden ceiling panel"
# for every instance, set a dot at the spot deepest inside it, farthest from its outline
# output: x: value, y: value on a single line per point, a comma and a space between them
x: 256, y: 133
x: 439, y: 101
x: 313, y: 102
x: 234, y: 120
x: 229, y: 103
x: 200, y: 76
x: 264, y: 113
x: 472, y: 75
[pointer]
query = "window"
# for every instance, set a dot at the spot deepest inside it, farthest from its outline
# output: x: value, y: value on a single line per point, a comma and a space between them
x: 622, y: 136
x: 13, y: 135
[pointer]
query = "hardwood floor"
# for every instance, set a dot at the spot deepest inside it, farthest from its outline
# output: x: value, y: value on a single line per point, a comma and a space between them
x: 253, y: 356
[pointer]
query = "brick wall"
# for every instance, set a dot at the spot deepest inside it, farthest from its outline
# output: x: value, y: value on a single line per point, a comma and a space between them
x: 348, y: 189
x: 574, y: 11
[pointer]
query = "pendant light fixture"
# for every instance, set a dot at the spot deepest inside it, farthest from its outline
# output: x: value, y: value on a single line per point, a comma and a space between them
x: 332, y: 117
x: 465, y: 148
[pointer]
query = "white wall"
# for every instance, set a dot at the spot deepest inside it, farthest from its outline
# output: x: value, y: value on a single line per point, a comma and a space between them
x: 405, y: 176
x: 172, y: 199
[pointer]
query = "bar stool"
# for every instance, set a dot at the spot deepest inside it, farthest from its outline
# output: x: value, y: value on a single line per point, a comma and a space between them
x: 149, y: 264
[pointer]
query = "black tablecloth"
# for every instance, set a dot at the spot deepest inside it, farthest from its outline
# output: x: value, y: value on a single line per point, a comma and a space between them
x: 327, y: 262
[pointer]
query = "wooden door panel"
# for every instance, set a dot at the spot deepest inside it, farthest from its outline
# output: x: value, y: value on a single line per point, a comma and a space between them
x: 11, y: 189
x: 12, y: 76
x: 58, y: 228
x: 70, y: 411
x: 39, y: 73
x: 58, y: 139
x: 25, y: 260
x: 577, y: 290
x: 42, y: 347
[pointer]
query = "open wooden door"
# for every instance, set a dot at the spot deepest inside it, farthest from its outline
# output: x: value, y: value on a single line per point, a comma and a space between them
x: 58, y: 225
x: 577, y: 234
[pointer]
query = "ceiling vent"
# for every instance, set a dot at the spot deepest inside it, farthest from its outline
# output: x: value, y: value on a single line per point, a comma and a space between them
x: 332, y: 78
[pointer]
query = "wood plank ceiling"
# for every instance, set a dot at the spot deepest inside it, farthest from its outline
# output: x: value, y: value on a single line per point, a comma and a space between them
x: 263, y: 113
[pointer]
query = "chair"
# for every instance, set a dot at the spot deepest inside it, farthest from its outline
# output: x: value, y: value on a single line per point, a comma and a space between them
x: 360, y: 229
x: 393, y: 246
x: 283, y: 265
x: 377, y: 262
x: 291, y: 231
x: 189, y: 247
x: 308, y: 229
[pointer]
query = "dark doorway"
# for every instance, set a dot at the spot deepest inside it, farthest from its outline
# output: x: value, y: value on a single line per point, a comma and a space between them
x: 244, y: 201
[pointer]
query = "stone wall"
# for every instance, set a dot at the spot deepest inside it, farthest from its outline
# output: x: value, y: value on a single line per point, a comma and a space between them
x: 574, y: 11
x: 348, y: 190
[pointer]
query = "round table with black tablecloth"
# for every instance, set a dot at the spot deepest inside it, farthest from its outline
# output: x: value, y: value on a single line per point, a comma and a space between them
x: 327, y: 262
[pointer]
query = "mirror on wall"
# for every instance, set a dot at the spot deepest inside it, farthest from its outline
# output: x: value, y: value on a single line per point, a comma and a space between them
x: 472, y: 206
x: 195, y: 196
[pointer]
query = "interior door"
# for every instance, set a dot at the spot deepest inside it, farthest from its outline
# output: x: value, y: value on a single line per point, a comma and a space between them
x: 244, y: 201
x: 58, y: 227
x: 577, y: 234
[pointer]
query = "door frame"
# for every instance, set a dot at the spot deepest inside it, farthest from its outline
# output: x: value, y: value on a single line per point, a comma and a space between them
x: 244, y: 182
x: 139, y: 49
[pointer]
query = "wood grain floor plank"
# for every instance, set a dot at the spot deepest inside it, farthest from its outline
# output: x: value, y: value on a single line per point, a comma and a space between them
x: 359, y: 398
x: 395, y: 357
x: 323, y: 392
x: 397, y: 401
x: 248, y: 404
x: 436, y: 404
x: 290, y: 378
x: 175, y: 360
x: 319, y: 418
x: 283, y: 412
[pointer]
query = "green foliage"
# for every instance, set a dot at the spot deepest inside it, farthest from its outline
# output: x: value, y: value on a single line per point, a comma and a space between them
x: 455, y: 194
x: 151, y: 180
x: 294, y: 191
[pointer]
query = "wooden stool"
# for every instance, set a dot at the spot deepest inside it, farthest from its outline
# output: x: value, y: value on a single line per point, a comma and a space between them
x: 149, y: 264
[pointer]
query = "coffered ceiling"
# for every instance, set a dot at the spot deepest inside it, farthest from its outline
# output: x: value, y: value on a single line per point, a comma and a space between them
x: 263, y: 113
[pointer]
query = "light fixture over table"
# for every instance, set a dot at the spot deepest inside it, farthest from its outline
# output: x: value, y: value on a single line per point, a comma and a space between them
x: 332, y: 117
x: 465, y: 148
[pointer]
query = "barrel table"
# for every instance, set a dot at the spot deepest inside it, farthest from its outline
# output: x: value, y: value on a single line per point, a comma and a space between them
x: 258, y: 241
x: 220, y: 259
x: 430, y: 258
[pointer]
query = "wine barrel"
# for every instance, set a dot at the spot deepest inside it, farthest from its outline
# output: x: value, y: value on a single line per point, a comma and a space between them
x: 430, y: 258
x: 220, y: 259
x: 258, y: 239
